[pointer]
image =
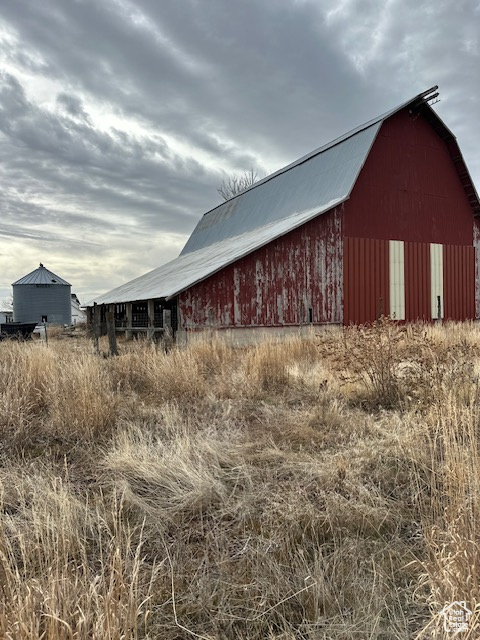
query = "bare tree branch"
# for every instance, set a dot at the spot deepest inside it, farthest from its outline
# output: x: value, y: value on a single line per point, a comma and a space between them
x: 6, y: 304
x: 236, y: 183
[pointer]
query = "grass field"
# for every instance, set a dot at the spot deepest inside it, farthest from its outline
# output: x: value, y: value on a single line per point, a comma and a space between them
x: 321, y: 488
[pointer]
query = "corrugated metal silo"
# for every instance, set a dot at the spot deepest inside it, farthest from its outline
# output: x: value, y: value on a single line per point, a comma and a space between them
x: 42, y: 296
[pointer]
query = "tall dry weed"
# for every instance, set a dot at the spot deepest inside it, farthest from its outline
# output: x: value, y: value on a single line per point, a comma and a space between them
x: 25, y: 372
x: 272, y: 366
x: 378, y: 357
x: 69, y: 568
x: 400, y: 367
x: 323, y: 487
x: 450, y: 512
x: 82, y: 404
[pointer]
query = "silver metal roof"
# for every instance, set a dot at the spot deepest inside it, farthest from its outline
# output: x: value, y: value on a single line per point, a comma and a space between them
x: 326, y: 176
x: 41, y: 276
x: 272, y: 207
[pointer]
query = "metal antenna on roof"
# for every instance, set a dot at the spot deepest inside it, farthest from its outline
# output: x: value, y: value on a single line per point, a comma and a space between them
x: 431, y: 94
x: 426, y: 96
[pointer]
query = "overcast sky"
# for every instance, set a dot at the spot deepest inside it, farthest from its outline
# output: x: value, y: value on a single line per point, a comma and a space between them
x: 119, y: 120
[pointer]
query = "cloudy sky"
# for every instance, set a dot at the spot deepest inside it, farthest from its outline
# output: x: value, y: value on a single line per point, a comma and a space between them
x: 119, y: 119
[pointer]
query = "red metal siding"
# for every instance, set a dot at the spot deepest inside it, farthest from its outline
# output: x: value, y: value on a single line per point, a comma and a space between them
x: 277, y: 284
x: 366, y: 280
x: 418, y: 301
x: 476, y: 245
x: 409, y: 188
x: 459, y: 282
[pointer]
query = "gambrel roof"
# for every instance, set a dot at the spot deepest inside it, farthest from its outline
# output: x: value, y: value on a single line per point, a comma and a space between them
x: 274, y: 206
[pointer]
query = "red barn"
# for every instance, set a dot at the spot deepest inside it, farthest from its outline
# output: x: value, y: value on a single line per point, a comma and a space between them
x: 383, y: 220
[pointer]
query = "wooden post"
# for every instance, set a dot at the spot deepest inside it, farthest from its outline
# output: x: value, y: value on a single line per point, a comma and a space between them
x: 167, y: 328
x: 96, y: 327
x: 128, y: 332
x: 380, y: 308
x: 151, y: 321
x: 90, y: 318
x: 112, y: 339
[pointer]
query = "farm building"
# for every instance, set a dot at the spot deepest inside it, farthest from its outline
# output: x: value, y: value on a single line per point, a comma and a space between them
x: 383, y: 220
x: 6, y: 311
x: 78, y: 314
x: 42, y: 296
x: 6, y: 315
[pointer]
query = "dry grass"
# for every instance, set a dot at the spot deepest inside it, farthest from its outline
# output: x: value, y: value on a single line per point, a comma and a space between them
x: 319, y: 488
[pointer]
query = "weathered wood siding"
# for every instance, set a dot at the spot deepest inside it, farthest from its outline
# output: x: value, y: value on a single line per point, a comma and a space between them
x: 294, y: 280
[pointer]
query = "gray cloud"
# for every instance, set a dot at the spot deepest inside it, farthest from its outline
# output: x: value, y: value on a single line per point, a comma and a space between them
x: 73, y: 106
x: 118, y: 119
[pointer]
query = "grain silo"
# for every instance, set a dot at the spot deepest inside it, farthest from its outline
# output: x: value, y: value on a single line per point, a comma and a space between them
x: 42, y: 296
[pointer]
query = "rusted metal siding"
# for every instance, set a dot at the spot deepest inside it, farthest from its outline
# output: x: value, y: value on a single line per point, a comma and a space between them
x: 366, y: 280
x: 276, y: 285
x: 459, y: 282
x: 409, y: 188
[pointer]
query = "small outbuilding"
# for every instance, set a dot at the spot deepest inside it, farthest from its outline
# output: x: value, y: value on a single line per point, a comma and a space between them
x: 78, y: 314
x: 42, y: 296
x: 6, y: 316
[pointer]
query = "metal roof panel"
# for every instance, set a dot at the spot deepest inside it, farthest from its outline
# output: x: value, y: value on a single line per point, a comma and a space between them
x: 317, y: 180
x: 41, y: 276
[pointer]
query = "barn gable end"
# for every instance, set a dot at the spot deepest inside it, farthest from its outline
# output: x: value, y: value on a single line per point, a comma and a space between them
x: 409, y: 191
x: 409, y: 188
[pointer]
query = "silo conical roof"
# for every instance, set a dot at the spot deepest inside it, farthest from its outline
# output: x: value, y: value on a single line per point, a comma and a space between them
x: 41, y: 276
